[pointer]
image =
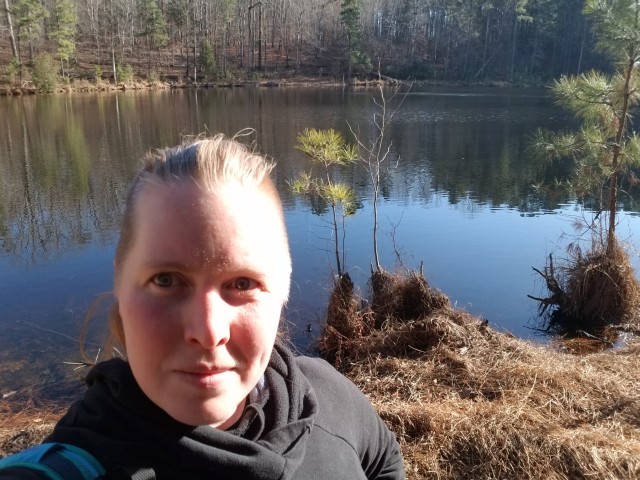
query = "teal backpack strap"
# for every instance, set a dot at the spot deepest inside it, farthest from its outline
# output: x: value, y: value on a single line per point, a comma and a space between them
x: 56, y: 461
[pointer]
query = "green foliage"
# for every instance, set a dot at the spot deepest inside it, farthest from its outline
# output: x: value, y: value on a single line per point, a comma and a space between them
x: 65, y: 29
x: 45, y: 72
x: 599, y: 286
x: 343, y: 195
x: 304, y: 184
x: 207, y: 59
x: 617, y: 27
x: 320, y: 191
x: 350, y: 14
x: 124, y: 73
x: 328, y: 148
x: 357, y: 58
x: 97, y: 73
x: 154, y: 26
x: 360, y: 62
x: 29, y: 16
x: 13, y: 69
x: 602, y: 151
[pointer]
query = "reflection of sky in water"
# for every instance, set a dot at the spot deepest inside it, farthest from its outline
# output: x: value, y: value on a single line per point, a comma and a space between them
x: 480, y: 256
x: 40, y: 290
x: 459, y: 199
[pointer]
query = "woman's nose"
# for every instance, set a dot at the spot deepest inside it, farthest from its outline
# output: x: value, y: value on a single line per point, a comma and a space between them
x: 207, y: 320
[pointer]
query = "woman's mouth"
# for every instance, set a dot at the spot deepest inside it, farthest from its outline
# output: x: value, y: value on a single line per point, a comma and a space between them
x: 206, y: 378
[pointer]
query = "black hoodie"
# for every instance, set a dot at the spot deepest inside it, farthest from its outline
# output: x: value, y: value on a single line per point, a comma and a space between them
x: 313, y: 424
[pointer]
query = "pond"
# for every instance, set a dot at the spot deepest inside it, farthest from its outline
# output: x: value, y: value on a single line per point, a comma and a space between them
x: 457, y: 196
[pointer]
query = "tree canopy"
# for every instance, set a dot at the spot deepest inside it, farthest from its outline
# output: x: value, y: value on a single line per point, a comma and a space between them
x: 471, y: 40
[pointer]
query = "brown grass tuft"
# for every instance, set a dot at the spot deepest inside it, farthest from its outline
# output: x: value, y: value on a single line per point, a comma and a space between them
x: 592, y: 290
x: 601, y: 286
x: 396, y: 297
x: 389, y: 323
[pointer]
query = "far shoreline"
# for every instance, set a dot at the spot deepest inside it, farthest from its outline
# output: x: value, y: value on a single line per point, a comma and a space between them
x: 85, y: 86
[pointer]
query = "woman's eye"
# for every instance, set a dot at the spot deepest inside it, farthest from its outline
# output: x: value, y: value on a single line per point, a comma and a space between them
x: 244, y: 283
x: 164, y: 280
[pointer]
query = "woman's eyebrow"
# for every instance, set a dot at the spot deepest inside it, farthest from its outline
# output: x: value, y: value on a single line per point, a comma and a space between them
x: 171, y: 265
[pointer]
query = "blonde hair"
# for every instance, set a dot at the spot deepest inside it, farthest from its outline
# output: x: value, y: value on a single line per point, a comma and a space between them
x: 210, y: 162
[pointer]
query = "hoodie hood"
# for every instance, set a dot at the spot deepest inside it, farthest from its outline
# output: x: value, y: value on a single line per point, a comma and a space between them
x: 123, y: 429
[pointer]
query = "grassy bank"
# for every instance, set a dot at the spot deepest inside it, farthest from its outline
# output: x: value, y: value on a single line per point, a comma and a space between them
x: 481, y: 404
x: 467, y: 401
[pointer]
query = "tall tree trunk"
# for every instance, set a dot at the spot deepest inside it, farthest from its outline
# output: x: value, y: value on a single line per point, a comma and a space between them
x: 486, y: 38
x: 14, y: 46
x: 113, y: 65
x: 584, y: 36
x: 185, y: 42
x: 195, y: 61
x: 30, y: 44
x: 260, y: 36
x: 615, y: 161
x: 513, y: 49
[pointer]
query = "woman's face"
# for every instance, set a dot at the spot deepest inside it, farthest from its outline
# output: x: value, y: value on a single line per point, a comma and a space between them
x: 200, y: 293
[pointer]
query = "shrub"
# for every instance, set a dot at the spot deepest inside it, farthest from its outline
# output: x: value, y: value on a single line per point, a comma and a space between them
x: 207, y: 59
x: 153, y: 77
x: 97, y: 73
x: 13, y: 69
x: 45, y: 72
x: 125, y: 73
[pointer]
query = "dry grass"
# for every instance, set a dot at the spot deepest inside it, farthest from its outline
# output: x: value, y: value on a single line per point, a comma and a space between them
x: 469, y: 402
x: 592, y: 290
x: 22, y: 424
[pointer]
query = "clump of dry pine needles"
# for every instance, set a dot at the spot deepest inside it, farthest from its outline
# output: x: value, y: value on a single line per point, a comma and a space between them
x: 467, y: 401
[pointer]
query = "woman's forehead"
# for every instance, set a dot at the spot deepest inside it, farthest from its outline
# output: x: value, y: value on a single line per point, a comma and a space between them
x: 247, y: 218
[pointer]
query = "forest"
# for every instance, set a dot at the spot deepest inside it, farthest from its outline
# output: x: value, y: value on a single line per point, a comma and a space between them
x: 516, y: 41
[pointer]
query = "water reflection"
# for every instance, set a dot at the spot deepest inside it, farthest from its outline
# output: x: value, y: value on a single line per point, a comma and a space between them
x: 457, y: 195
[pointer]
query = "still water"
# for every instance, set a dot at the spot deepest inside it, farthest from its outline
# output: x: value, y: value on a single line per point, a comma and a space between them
x: 457, y: 196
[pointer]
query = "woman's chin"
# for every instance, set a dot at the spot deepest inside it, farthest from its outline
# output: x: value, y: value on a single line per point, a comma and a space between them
x: 218, y: 416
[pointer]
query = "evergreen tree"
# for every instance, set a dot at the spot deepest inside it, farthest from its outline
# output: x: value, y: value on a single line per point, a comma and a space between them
x: 600, y: 285
x: 64, y: 31
x: 357, y: 59
x: 328, y: 148
x: 44, y: 73
x: 154, y: 27
x: 604, y: 148
x: 207, y: 59
x: 29, y: 17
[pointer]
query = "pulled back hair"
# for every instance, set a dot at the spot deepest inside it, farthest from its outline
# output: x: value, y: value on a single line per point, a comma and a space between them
x: 210, y: 163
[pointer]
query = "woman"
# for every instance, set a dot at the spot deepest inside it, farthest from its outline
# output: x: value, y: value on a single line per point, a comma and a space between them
x: 202, y: 271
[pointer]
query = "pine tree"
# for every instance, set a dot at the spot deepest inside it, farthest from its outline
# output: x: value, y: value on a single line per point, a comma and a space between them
x: 328, y: 148
x: 604, y: 149
x: 154, y: 27
x: 599, y: 285
x: 207, y: 59
x: 29, y: 17
x: 64, y: 31
x: 356, y: 57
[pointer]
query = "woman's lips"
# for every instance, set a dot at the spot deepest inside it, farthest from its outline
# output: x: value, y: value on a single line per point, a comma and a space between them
x: 205, y: 378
